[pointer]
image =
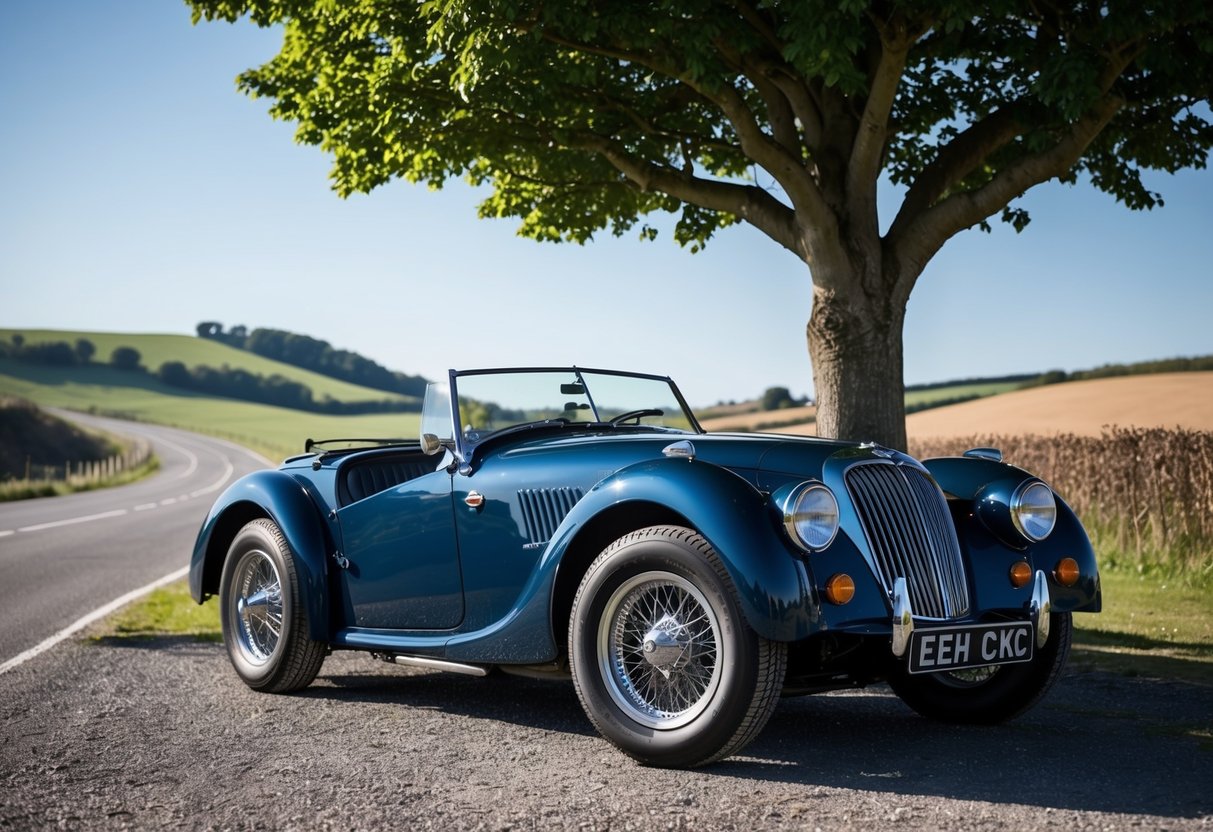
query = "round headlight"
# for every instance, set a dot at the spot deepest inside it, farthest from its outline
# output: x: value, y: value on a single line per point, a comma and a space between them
x: 1033, y: 510
x: 811, y: 516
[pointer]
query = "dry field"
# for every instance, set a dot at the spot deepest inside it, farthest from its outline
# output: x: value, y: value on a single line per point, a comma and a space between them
x: 754, y: 421
x: 1082, y: 408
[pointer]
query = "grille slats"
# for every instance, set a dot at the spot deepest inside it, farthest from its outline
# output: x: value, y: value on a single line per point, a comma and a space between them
x: 543, y: 509
x: 910, y: 534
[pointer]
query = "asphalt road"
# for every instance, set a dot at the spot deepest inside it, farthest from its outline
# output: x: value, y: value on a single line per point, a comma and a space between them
x: 62, y: 557
x: 160, y: 734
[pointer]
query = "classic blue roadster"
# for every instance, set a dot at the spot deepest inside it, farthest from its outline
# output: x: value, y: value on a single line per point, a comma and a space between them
x: 576, y: 522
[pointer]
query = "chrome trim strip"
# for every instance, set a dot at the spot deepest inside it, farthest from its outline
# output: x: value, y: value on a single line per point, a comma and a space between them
x: 439, y: 664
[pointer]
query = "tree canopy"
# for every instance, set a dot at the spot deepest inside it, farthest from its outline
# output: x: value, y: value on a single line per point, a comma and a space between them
x: 585, y: 116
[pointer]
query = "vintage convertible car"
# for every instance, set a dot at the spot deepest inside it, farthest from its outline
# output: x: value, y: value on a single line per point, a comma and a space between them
x: 579, y: 522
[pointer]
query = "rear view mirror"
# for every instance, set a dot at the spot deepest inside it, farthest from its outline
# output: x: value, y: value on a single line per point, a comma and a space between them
x: 574, y: 389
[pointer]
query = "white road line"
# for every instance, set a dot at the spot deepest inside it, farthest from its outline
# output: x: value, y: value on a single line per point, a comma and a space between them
x: 145, y: 506
x: 168, y: 501
x: 95, y: 615
x: 193, y: 466
x: 74, y: 520
x: 7, y: 533
x: 229, y: 469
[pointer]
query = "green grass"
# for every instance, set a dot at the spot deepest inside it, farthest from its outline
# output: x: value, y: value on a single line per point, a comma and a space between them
x: 919, y: 398
x: 1150, y: 626
x: 273, y: 431
x: 167, y: 611
x: 193, y: 351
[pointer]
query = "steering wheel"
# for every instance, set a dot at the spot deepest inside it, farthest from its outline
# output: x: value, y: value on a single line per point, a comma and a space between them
x: 637, y: 415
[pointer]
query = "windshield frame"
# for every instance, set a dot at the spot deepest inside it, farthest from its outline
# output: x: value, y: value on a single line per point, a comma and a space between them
x: 464, y: 449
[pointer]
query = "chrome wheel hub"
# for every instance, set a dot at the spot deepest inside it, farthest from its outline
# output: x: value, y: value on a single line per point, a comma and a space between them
x: 257, y: 611
x: 658, y: 647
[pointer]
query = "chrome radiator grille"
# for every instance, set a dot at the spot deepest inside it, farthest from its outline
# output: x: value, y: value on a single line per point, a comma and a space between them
x: 910, y: 532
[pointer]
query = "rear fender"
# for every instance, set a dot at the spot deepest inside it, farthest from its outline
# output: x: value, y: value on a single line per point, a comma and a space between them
x: 284, y: 500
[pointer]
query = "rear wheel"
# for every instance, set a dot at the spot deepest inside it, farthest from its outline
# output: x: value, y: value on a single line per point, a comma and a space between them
x: 265, y: 624
x: 665, y: 665
x: 988, y: 695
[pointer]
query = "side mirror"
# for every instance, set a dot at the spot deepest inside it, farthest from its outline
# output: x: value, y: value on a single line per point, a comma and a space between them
x: 430, y: 444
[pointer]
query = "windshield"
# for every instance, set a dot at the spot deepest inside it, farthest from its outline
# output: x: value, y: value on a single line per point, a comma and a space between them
x: 492, y: 401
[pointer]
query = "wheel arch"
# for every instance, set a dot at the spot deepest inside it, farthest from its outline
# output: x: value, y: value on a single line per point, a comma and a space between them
x: 731, y: 514
x: 602, y: 529
x: 279, y: 497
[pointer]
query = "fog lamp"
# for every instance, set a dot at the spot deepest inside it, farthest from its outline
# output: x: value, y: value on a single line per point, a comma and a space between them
x: 1021, y: 574
x: 1066, y: 572
x: 840, y: 589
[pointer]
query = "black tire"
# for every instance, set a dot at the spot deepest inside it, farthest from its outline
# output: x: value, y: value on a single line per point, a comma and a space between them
x: 988, y: 696
x: 267, y: 640
x: 706, y: 689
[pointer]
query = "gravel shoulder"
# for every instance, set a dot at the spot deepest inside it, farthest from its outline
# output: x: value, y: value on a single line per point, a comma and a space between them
x: 159, y: 733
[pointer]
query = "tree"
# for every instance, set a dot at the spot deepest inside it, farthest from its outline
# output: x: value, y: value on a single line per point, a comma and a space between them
x: 125, y: 358
x: 85, y: 350
x: 586, y: 115
x: 776, y: 398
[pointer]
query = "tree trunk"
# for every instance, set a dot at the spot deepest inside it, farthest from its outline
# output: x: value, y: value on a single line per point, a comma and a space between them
x: 856, y: 351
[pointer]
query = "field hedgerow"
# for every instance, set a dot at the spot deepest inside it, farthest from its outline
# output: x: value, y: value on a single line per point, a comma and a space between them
x: 1145, y: 495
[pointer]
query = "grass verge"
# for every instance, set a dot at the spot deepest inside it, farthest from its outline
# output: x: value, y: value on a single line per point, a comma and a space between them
x: 1149, y: 626
x: 20, y: 490
x: 167, y: 611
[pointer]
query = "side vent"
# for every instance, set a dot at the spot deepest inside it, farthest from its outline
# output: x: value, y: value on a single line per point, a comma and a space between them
x: 543, y: 509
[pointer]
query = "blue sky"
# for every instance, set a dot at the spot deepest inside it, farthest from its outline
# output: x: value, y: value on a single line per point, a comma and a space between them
x: 139, y: 191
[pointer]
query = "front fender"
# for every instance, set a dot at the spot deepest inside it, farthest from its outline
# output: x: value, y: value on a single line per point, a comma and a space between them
x: 771, y: 581
x: 975, y: 480
x: 285, y: 501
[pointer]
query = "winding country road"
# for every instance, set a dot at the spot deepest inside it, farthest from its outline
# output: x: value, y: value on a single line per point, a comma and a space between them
x: 63, y: 557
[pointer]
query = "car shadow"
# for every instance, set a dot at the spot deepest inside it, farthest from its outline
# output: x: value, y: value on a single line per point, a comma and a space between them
x: 1099, y: 742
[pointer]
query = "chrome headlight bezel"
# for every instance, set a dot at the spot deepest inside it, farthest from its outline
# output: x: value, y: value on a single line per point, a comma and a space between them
x: 1034, y: 510
x: 811, y: 516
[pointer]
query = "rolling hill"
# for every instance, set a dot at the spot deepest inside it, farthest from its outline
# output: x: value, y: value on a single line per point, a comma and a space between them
x: 273, y: 431
x: 193, y: 351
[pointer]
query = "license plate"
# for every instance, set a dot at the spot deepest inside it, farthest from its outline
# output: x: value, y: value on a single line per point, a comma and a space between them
x: 971, y: 645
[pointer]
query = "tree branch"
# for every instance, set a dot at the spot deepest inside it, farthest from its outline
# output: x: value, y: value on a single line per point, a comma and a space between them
x: 917, y: 241
x: 749, y: 202
x: 867, y: 152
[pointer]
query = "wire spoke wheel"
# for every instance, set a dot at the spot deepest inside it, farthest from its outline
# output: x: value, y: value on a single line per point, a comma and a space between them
x: 659, y: 647
x: 258, y: 609
x: 265, y: 618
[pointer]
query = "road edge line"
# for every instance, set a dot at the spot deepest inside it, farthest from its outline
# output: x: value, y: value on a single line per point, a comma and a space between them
x: 95, y: 615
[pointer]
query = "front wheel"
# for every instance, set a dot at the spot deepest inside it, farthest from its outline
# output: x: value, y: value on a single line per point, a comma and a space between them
x: 664, y: 663
x: 988, y: 695
x: 264, y: 619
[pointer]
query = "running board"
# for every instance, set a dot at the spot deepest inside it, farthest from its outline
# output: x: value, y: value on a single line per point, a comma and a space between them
x: 439, y: 664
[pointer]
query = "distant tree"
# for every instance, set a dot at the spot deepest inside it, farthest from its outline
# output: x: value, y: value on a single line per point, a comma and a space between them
x: 54, y: 353
x: 775, y: 398
x: 125, y: 358
x: 85, y: 350
x: 175, y: 373
x: 18, y: 340
x: 210, y: 329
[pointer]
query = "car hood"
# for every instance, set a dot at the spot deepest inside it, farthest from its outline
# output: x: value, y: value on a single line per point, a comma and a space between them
x: 793, y: 455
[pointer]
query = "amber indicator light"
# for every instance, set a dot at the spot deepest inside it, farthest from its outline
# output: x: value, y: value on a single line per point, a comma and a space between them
x: 1021, y: 573
x: 840, y: 589
x: 1066, y: 572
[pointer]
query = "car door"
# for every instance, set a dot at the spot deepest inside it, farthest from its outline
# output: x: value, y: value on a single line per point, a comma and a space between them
x: 403, y: 571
